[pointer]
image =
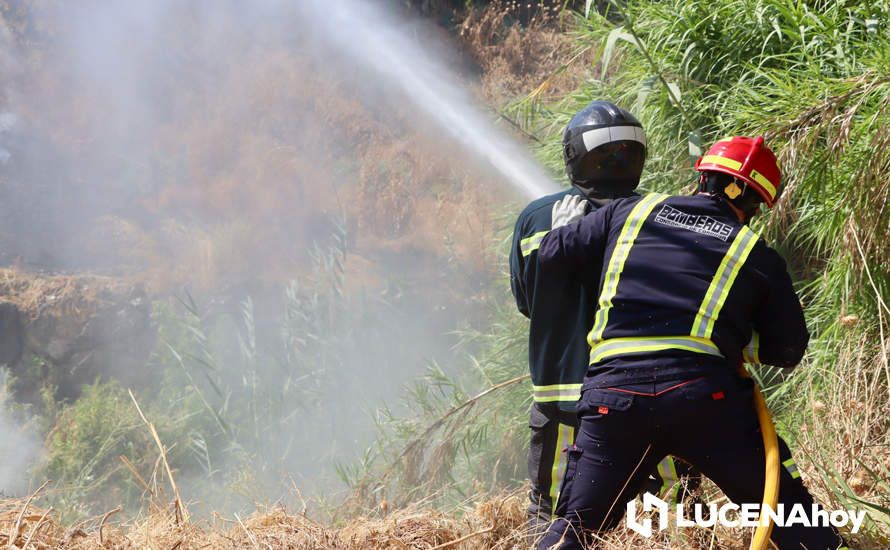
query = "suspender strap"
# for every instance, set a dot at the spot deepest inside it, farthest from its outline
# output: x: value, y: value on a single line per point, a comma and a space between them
x: 722, y: 282
x: 626, y: 238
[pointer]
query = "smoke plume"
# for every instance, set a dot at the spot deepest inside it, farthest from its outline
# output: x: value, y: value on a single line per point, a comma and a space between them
x: 227, y: 148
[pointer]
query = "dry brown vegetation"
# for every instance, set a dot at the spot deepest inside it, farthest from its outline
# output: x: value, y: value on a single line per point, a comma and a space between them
x: 59, y: 296
x: 516, y: 59
x: 490, y: 524
x: 215, y: 208
x: 184, y: 198
x: 493, y: 523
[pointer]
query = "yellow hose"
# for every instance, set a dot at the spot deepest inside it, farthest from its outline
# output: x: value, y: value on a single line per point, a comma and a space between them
x: 760, y: 541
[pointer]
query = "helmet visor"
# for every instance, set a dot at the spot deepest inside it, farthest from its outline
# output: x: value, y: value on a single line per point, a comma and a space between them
x: 619, y: 160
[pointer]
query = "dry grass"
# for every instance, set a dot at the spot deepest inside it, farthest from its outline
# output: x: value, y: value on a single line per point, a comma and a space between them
x: 843, y: 446
x: 308, y: 149
x: 495, y: 523
x: 59, y: 295
x: 515, y: 59
x: 24, y: 525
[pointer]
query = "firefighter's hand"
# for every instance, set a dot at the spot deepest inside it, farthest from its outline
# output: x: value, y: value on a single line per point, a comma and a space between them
x: 568, y: 210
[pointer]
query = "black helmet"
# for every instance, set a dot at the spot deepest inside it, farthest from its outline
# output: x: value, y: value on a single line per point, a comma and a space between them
x: 604, y: 148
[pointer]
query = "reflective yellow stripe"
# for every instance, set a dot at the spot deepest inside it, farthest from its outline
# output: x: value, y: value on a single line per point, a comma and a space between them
x: 721, y: 161
x: 734, y: 267
x: 751, y: 352
x: 557, y: 387
x: 722, y: 282
x: 614, y: 347
x: 626, y: 238
x: 564, y: 438
x: 670, y: 485
x: 530, y: 244
x: 767, y: 184
x: 556, y: 392
x: 791, y: 467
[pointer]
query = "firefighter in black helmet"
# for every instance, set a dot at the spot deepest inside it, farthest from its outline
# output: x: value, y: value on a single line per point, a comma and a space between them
x: 604, y: 148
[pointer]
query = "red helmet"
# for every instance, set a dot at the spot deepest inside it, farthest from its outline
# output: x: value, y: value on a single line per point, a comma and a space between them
x: 747, y: 159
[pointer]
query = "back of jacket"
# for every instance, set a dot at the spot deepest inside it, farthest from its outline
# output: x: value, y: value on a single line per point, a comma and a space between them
x: 683, y: 287
x: 560, y: 312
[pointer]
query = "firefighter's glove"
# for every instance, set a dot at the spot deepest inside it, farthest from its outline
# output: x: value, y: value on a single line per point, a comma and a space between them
x: 569, y: 209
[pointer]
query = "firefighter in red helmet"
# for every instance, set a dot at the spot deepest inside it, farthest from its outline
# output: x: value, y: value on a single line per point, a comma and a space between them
x: 683, y: 287
x: 747, y: 167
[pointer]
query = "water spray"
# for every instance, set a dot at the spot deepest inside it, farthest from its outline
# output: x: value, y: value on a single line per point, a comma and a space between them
x: 360, y: 30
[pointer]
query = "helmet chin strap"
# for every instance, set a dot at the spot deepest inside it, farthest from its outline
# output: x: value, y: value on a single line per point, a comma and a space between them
x: 751, y: 208
x: 601, y: 192
x: 743, y: 216
x: 728, y: 194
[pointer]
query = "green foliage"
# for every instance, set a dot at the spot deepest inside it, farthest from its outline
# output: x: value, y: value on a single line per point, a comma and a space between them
x: 84, y: 447
x: 811, y: 77
x: 94, y: 423
x: 258, y: 385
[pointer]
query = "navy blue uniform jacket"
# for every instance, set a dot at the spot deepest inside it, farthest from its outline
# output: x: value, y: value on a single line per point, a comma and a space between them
x: 560, y: 311
x: 682, y: 288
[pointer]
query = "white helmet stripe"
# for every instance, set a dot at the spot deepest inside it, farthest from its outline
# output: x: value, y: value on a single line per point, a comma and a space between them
x: 601, y: 136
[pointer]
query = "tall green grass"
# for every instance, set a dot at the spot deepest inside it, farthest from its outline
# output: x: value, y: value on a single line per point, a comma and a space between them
x: 814, y: 78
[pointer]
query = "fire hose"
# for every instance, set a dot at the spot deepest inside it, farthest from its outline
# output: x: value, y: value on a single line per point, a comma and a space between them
x: 760, y: 541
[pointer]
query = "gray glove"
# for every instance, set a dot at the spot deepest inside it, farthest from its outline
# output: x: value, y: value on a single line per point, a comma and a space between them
x: 569, y: 209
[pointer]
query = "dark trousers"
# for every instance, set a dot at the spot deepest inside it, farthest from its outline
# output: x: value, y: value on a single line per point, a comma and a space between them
x: 710, y: 423
x: 552, y: 434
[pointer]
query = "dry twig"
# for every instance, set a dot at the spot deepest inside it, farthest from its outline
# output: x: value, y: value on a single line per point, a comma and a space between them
x: 17, y: 527
x: 451, y: 412
x: 105, y: 517
x: 37, y: 528
x: 181, y: 513
x: 250, y: 535
x: 136, y: 475
x: 463, y: 538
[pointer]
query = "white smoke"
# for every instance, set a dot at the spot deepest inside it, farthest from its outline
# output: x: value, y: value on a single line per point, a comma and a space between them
x: 123, y: 105
x: 19, y: 448
x: 7, y: 64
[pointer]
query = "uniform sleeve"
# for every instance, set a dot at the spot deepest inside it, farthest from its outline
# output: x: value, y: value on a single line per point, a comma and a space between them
x: 517, y: 261
x: 577, y: 247
x: 780, y: 329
